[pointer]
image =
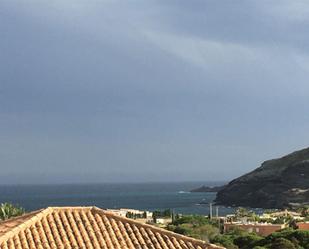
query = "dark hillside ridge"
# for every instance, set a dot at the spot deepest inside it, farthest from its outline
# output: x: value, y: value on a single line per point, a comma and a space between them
x: 277, y: 183
x: 207, y: 189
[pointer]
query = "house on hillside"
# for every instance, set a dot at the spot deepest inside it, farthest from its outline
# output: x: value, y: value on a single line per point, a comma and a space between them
x: 139, y: 215
x: 303, y: 225
x: 262, y: 229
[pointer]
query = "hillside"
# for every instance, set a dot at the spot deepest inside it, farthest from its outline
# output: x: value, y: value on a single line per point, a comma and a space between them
x: 207, y: 189
x: 277, y: 183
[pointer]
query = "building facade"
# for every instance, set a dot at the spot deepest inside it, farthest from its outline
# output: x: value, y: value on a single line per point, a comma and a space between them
x: 262, y: 229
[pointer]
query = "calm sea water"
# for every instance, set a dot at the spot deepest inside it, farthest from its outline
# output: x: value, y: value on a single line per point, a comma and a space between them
x: 143, y: 196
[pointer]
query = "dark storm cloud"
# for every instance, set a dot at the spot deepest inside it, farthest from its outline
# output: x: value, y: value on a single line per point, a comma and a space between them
x: 116, y: 91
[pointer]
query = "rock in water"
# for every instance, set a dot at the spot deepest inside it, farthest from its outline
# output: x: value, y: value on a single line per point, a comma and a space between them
x: 277, y: 183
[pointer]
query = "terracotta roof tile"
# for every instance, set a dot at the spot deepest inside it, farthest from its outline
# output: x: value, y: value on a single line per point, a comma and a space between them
x: 88, y: 228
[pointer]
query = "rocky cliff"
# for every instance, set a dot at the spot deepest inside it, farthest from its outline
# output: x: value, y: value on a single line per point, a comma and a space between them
x: 277, y: 183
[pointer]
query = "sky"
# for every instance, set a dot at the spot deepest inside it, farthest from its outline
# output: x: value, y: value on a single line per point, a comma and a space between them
x: 150, y: 91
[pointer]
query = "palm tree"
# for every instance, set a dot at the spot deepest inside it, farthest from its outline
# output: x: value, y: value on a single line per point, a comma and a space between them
x: 8, y: 210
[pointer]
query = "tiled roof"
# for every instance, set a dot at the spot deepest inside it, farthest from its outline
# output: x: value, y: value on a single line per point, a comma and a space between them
x: 88, y: 228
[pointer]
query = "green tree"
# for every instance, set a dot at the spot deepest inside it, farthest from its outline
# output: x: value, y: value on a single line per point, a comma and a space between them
x: 224, y: 240
x: 196, y: 226
x: 195, y: 220
x: 247, y: 241
x: 242, y: 212
x: 281, y: 243
x: 304, y: 211
x: 8, y: 210
x: 161, y: 214
x: 299, y: 238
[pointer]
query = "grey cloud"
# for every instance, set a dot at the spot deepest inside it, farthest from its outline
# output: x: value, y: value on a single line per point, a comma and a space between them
x: 210, y: 87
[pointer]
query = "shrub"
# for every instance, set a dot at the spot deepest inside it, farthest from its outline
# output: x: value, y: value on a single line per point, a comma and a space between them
x: 281, y: 243
x: 8, y: 210
x: 247, y: 241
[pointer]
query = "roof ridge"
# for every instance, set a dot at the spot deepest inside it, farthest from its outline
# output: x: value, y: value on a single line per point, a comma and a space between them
x: 27, y: 223
x: 72, y: 207
x: 154, y: 228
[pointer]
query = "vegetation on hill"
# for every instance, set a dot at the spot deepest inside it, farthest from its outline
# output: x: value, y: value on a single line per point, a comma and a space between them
x: 136, y: 216
x: 195, y: 226
x: 237, y: 238
x: 207, y: 189
x: 201, y: 227
x: 162, y: 214
x: 277, y: 183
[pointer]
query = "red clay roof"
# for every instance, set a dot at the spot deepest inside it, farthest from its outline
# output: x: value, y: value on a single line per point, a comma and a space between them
x: 88, y: 228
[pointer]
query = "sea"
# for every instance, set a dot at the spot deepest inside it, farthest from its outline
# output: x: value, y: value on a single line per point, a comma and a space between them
x: 142, y: 196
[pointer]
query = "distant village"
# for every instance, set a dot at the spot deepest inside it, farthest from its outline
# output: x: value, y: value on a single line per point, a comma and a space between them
x: 263, y: 224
